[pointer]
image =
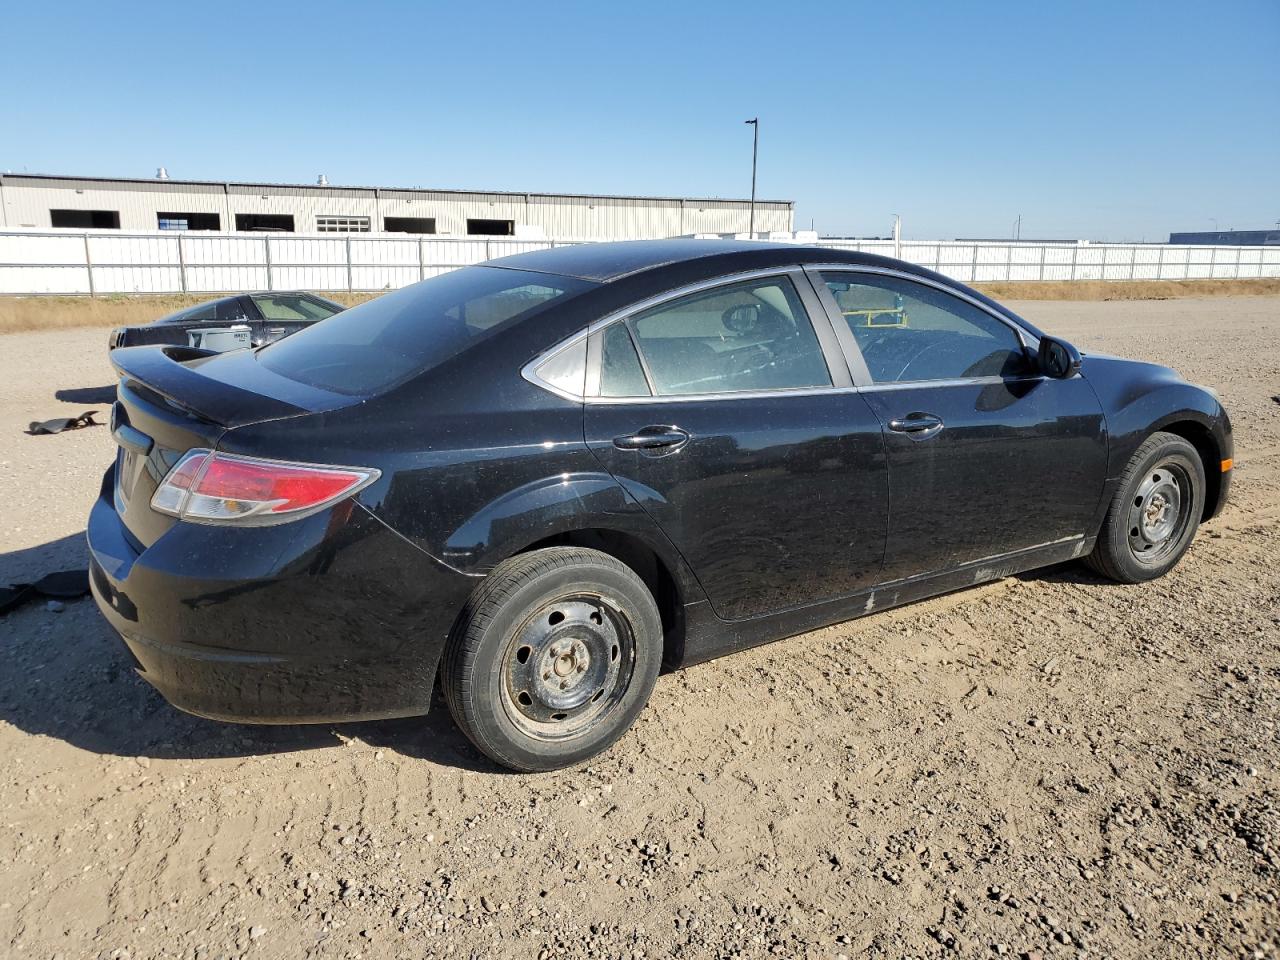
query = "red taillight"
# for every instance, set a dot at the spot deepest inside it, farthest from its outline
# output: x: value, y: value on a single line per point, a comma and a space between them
x: 224, y: 488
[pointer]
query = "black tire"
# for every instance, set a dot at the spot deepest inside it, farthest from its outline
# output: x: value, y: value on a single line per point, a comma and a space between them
x: 1140, y: 538
x: 553, y: 657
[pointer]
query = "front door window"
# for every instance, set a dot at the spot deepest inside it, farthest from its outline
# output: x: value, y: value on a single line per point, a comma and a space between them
x: 908, y: 332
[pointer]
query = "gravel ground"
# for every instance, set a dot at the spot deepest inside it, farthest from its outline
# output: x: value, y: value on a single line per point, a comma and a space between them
x: 1050, y: 766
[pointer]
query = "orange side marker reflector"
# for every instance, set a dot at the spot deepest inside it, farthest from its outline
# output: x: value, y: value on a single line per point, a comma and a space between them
x: 1226, y: 465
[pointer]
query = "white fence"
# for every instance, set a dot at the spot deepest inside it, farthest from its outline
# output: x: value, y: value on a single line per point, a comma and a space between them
x: 972, y: 261
x: 97, y: 263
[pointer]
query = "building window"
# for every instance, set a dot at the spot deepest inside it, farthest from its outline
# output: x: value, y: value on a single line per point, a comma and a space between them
x: 342, y: 224
x: 188, y: 221
x: 409, y: 224
x: 86, y: 219
x: 280, y: 222
x: 492, y: 228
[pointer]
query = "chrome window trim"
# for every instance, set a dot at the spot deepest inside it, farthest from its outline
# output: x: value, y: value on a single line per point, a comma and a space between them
x: 733, y: 395
x: 595, y: 353
x: 813, y: 274
x: 952, y: 382
x: 794, y: 272
x: 1024, y: 336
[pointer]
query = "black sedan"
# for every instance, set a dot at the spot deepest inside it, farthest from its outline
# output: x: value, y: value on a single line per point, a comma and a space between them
x: 268, y: 315
x: 538, y: 480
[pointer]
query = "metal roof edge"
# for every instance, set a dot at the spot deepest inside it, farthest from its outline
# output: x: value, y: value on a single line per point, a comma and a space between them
x: 340, y: 186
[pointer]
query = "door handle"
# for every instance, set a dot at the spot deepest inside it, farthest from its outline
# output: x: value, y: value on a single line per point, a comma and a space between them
x: 651, y: 438
x: 917, y: 424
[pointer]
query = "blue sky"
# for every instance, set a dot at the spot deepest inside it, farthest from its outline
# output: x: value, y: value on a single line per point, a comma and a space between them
x: 1109, y: 120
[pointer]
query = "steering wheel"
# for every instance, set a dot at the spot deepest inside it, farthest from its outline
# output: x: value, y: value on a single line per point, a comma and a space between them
x: 902, y: 374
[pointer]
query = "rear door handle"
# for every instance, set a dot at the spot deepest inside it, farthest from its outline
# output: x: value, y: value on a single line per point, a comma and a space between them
x: 651, y: 438
x: 917, y: 424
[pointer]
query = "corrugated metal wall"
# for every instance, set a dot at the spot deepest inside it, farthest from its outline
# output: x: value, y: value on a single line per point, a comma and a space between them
x: 27, y: 201
x: 44, y: 262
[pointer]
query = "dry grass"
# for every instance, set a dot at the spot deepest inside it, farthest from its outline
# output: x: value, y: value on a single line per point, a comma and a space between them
x: 52, y: 313
x: 1127, y: 289
x: 49, y: 313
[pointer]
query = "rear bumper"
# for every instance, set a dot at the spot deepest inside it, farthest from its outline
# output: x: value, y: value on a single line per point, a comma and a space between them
x: 333, y: 617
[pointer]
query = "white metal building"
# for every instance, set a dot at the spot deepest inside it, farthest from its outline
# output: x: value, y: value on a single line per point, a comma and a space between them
x: 99, y: 203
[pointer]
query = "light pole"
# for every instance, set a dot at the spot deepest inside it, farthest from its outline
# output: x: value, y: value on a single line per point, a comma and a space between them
x: 1017, y: 228
x: 755, y: 151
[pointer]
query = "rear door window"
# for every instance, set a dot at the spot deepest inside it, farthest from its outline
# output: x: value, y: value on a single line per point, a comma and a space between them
x: 378, y: 344
x: 620, y: 372
x: 747, y: 336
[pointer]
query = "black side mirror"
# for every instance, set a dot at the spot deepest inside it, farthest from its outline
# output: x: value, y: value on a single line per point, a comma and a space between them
x: 1058, y: 359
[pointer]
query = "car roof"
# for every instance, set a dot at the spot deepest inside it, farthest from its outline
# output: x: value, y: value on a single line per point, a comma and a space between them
x: 683, y: 260
x: 606, y: 262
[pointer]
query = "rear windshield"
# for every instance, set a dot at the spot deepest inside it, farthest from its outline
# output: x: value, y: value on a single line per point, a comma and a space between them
x: 376, y: 345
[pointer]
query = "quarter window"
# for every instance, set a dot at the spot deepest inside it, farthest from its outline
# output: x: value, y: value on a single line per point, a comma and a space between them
x: 909, y: 332
x: 753, y: 335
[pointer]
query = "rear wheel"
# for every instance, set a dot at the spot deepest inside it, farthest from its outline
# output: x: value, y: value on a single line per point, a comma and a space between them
x: 553, y: 658
x: 1154, y: 514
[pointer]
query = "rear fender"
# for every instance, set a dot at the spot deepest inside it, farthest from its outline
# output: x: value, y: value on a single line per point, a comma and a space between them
x: 550, y: 506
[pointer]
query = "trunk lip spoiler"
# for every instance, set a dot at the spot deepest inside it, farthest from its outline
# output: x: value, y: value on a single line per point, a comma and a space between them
x: 164, y: 370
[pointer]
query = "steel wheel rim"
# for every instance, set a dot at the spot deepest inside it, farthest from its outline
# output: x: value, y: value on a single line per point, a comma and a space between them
x: 567, y: 666
x: 1159, y: 512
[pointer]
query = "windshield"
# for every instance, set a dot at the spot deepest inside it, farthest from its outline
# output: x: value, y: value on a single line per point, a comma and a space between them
x: 376, y: 345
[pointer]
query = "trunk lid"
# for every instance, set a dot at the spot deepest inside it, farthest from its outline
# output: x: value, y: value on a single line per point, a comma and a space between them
x: 171, y: 400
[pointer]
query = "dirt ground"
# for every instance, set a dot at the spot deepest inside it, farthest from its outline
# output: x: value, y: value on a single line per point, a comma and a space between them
x: 1050, y: 766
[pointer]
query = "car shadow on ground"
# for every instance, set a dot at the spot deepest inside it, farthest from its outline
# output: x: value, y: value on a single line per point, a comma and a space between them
x: 65, y: 674
x: 1073, y: 571
x: 105, y: 394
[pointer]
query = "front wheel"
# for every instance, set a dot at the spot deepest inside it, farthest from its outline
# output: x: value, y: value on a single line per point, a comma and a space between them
x: 1154, y: 513
x: 553, y: 657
